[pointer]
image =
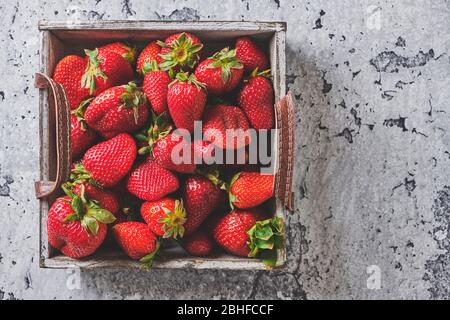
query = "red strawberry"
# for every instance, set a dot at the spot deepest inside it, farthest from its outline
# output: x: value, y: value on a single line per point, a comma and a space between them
x: 198, y: 244
x: 250, y: 189
x: 149, y: 53
x: 204, y: 152
x: 167, y: 149
x: 186, y: 101
x: 257, y: 100
x: 138, y: 242
x: 149, y: 181
x: 106, y: 199
x: 156, y: 86
x: 76, y: 226
x: 247, y: 234
x: 226, y: 127
x: 68, y: 72
x: 117, y: 110
x: 200, y: 196
x: 105, y: 69
x: 221, y: 73
x: 82, y: 137
x: 158, y: 128
x: 169, y: 152
x: 250, y: 54
x: 181, y: 50
x: 109, y: 161
x: 126, y: 51
x: 165, y: 217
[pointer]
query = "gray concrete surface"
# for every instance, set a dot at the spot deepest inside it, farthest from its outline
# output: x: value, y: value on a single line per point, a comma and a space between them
x: 372, y: 218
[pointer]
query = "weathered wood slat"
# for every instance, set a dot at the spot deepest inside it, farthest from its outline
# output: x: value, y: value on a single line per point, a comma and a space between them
x: 142, y: 25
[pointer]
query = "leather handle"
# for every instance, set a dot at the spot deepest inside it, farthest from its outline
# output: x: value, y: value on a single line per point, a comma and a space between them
x: 58, y: 103
x: 284, y: 110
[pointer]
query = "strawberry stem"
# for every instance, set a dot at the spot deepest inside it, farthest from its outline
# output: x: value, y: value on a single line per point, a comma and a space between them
x: 92, y: 72
x: 158, y: 128
x: 79, y: 112
x: 132, y: 98
x: 257, y: 73
x: 147, y: 260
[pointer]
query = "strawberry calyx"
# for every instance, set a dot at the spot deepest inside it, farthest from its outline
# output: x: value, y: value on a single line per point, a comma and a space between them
x: 174, y: 221
x: 182, y: 52
x: 79, y: 112
x: 257, y: 73
x: 147, y: 260
x: 232, y: 197
x: 226, y: 60
x: 189, y: 79
x: 130, y: 55
x: 78, y: 175
x: 132, y: 98
x: 265, y: 238
x: 213, y: 175
x: 153, y: 66
x: 88, y: 212
x: 159, y: 128
x: 150, y: 66
x: 92, y: 71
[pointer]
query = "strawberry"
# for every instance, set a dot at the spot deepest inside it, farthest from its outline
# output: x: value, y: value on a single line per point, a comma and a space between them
x: 77, y: 226
x: 198, y: 244
x: 138, y: 242
x: 126, y: 51
x: 82, y: 137
x: 148, y: 54
x: 180, y: 50
x: 169, y: 152
x: 156, y: 86
x: 248, y: 52
x: 204, y: 152
x: 165, y: 217
x: 220, y: 73
x: 68, y: 73
x: 106, y: 199
x: 149, y: 181
x: 105, y: 69
x: 247, y: 234
x: 186, y: 101
x: 165, y: 148
x: 226, y: 127
x: 257, y: 100
x: 250, y: 189
x: 108, y: 162
x: 200, y: 197
x: 159, y: 127
x: 117, y: 110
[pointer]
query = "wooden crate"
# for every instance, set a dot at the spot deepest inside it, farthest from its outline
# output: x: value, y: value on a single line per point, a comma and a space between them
x: 62, y: 38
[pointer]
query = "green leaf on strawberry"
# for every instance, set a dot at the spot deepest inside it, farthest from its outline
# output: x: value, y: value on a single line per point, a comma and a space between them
x: 88, y: 212
x: 265, y: 238
x: 158, y: 128
x: 174, y: 221
x: 226, y: 60
x: 92, y: 71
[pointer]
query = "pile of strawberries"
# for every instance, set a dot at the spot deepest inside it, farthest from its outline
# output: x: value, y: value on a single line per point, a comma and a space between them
x: 125, y: 186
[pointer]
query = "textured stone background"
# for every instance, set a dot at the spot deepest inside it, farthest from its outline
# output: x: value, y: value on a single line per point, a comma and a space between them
x: 371, y: 80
